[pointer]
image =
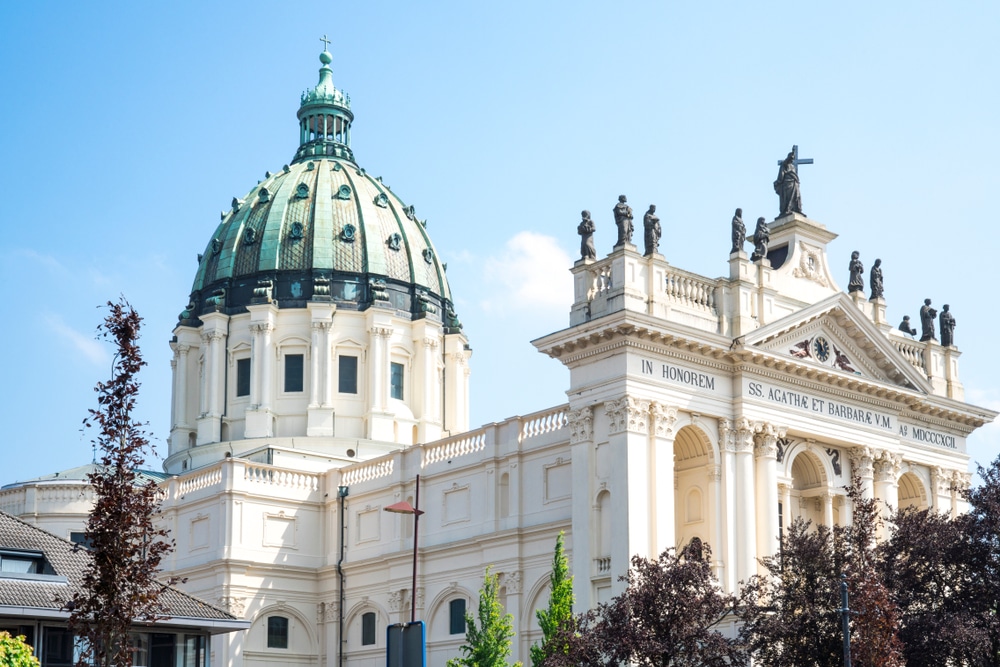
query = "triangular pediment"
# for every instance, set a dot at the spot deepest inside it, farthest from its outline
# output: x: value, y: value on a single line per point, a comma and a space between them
x: 835, y: 335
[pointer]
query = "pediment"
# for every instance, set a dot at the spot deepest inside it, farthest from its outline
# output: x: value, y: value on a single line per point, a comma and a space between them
x: 835, y: 335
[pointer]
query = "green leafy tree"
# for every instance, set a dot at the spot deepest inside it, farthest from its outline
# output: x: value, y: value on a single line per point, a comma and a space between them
x: 15, y: 652
x: 119, y: 586
x: 488, y: 643
x: 559, y: 614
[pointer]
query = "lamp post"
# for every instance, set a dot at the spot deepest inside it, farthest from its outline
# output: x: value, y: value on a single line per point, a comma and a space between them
x: 404, y: 507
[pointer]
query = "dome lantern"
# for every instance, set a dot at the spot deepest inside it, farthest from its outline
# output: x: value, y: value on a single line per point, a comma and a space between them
x: 325, y: 118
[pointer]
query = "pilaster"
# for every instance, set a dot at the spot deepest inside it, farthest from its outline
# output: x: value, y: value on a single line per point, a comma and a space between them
x: 727, y: 510
x: 581, y: 439
x: 632, y: 524
x: 259, y: 416
x: 662, y: 498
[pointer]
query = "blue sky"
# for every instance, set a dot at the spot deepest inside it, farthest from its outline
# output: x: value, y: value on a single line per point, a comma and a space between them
x: 127, y: 127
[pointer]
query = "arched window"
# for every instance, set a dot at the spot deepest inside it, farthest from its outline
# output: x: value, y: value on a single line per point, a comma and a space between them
x: 368, y: 629
x: 456, y: 617
x: 277, y: 632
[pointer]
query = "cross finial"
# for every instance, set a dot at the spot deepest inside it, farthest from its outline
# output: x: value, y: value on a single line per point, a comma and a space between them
x: 796, y: 160
x: 326, y: 42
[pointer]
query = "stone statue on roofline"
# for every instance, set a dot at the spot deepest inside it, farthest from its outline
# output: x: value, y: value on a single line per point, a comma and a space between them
x: 623, y: 218
x: 856, y: 283
x: 875, y: 281
x: 739, y: 232
x: 761, y: 237
x: 906, y: 327
x: 927, y: 315
x: 787, y: 187
x: 947, y: 321
x: 651, y: 231
x: 586, y: 230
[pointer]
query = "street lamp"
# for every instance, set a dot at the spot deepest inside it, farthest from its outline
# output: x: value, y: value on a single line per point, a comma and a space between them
x: 404, y: 507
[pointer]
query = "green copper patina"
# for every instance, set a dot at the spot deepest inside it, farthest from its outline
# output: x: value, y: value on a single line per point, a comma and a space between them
x: 325, y: 118
x: 321, y: 228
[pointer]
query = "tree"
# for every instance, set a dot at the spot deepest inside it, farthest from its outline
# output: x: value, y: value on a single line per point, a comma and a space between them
x: 667, y: 617
x: 984, y: 552
x: 791, y: 614
x: 488, y: 644
x: 559, y: 614
x: 119, y: 586
x: 15, y: 652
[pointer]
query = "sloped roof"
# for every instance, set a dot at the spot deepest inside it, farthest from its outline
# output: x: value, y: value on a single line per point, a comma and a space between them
x: 45, y: 595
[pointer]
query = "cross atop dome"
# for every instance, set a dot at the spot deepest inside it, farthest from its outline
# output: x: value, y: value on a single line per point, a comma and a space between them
x: 325, y: 117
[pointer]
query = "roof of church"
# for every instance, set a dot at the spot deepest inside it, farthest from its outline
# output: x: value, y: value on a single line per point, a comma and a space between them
x: 62, y: 577
x: 81, y: 473
x: 320, y: 228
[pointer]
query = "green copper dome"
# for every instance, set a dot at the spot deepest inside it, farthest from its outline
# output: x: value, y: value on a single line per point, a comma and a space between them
x: 321, y: 228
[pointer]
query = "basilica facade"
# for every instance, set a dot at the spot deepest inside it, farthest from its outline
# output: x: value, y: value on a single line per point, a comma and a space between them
x: 320, y: 368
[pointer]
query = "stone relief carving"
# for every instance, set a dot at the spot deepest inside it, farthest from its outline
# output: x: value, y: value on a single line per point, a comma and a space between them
x: 861, y: 461
x: 581, y: 425
x: 887, y: 466
x: 234, y: 605
x: 512, y: 581
x: 628, y: 414
x: 834, y: 455
x: 664, y: 418
x: 809, y: 265
x: 744, y: 435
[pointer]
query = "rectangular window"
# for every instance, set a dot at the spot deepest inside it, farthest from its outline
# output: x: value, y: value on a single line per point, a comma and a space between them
x: 456, y: 617
x: 58, y: 648
x: 348, y: 375
x: 243, y: 377
x: 368, y: 629
x: 293, y: 372
x: 195, y: 654
x: 277, y: 632
x: 396, y: 380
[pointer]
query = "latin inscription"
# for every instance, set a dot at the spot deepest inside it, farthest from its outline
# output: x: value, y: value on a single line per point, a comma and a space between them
x: 678, y: 375
x: 812, y: 404
x: 920, y: 434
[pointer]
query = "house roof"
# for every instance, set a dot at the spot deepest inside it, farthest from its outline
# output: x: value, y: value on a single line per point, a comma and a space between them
x: 43, y: 595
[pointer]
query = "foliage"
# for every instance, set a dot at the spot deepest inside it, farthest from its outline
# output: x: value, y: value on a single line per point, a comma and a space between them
x: 16, y: 652
x: 559, y: 614
x: 930, y: 575
x: 791, y: 614
x: 666, y: 618
x: 119, y: 586
x: 488, y: 644
x: 984, y: 552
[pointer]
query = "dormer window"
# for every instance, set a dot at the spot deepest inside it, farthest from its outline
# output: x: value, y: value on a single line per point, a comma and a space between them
x: 22, y: 562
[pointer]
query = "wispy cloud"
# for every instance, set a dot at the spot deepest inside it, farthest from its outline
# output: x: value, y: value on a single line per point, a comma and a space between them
x: 47, y: 261
x: 85, y: 344
x: 529, y: 273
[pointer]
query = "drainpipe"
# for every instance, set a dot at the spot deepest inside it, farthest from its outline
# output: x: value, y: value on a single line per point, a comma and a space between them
x: 342, y: 492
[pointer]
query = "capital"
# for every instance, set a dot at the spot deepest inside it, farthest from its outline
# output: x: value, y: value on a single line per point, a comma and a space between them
x: 581, y: 425
x: 861, y: 461
x: 664, y: 418
x: 628, y: 414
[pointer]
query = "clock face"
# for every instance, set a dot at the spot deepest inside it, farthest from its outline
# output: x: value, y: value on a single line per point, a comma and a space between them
x: 821, y: 348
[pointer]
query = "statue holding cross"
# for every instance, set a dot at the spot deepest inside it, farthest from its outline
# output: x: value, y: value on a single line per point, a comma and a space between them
x: 787, y: 183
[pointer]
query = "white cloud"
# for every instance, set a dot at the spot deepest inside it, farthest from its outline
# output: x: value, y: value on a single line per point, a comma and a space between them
x: 91, y: 349
x: 48, y: 261
x: 531, y: 272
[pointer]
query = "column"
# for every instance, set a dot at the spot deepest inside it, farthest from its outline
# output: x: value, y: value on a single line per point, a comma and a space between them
x: 267, y: 366
x: 785, y: 498
x: 827, y: 499
x: 861, y: 466
x: 886, y: 468
x: 766, y: 451
x: 379, y: 368
x: 319, y: 419
x: 746, y: 532
x: 727, y: 547
x: 715, y: 516
x: 663, y: 497
x: 631, y: 522
x: 315, y: 366
x: 941, y: 481
x: 181, y: 387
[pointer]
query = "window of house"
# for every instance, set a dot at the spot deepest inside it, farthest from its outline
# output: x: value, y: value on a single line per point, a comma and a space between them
x: 57, y: 648
x: 18, y: 562
x: 348, y: 375
x: 243, y: 377
x: 195, y: 654
x: 277, y: 632
x: 396, y: 380
x: 368, y: 628
x: 294, y: 364
x: 456, y: 617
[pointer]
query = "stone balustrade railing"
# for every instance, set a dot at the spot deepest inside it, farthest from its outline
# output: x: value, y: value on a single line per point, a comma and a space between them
x: 200, y: 479
x: 365, y: 472
x: 690, y: 289
x: 912, y: 350
x: 543, y: 422
x: 452, y: 448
